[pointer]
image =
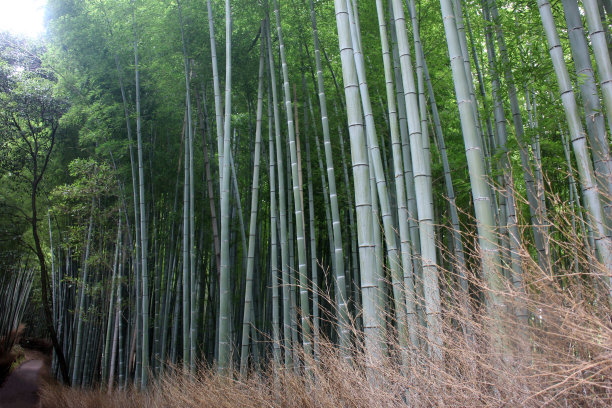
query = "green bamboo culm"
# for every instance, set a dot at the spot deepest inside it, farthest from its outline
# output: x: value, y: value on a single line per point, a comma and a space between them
x: 216, y: 90
x: 78, y: 316
x: 478, y: 178
x: 282, y: 201
x: 363, y: 199
x: 15, y: 287
x: 224, y: 340
x: 297, y: 200
x: 276, y: 346
x: 507, y: 196
x: 338, y: 254
x: 248, y: 295
x: 188, y: 219
x: 579, y: 143
x: 400, y: 187
x: 593, y: 112
x: 601, y: 53
x: 422, y: 187
x: 111, y: 307
x: 379, y: 182
x: 535, y: 209
x: 144, y: 237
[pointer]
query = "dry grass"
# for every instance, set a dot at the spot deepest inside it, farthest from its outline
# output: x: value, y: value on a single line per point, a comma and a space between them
x: 562, y: 357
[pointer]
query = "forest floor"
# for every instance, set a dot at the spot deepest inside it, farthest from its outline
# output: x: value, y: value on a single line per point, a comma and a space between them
x: 20, y: 390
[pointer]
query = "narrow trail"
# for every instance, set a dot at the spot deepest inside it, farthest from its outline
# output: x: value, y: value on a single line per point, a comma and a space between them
x: 20, y: 390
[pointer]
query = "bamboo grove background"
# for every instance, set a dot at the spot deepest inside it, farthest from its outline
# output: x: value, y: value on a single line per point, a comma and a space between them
x: 255, y: 184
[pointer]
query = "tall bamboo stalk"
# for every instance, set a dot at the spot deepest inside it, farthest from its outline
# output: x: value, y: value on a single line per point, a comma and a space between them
x: 282, y: 206
x: 478, y: 178
x: 248, y: 296
x: 415, y: 240
x: 111, y: 307
x: 276, y: 346
x: 402, y: 208
x: 314, y: 272
x: 328, y: 219
x: 535, y: 210
x: 578, y: 138
x: 376, y: 165
x: 601, y: 53
x: 216, y: 90
x: 224, y: 339
x: 117, y: 348
x: 508, y: 223
x: 339, y: 274
x: 467, y: 66
x: 448, y: 182
x: 450, y: 191
x: 143, y: 220
x: 297, y: 199
x: 423, y: 188
x: 594, y: 116
x: 507, y: 200
x: 78, y: 344
x: 205, y: 128
x: 363, y: 199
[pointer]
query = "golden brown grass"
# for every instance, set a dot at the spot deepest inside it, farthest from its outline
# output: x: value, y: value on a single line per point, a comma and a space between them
x: 562, y: 357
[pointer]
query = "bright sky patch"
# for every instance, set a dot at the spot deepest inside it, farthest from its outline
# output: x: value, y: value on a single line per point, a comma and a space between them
x: 23, y: 17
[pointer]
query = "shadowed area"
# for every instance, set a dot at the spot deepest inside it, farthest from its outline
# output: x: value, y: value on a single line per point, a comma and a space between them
x: 20, y: 390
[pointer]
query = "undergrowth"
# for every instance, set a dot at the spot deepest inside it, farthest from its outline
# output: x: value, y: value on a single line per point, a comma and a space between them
x: 559, y: 356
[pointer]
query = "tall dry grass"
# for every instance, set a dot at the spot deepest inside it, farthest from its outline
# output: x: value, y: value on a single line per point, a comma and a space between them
x: 560, y: 357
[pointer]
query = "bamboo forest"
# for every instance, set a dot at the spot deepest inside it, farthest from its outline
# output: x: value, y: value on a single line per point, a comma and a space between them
x: 308, y: 203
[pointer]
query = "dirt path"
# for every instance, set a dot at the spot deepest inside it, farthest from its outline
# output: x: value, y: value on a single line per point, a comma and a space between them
x: 20, y: 390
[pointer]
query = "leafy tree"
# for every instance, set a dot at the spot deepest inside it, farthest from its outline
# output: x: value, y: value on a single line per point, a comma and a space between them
x: 29, y: 124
